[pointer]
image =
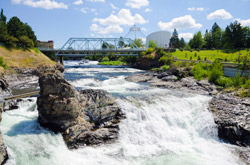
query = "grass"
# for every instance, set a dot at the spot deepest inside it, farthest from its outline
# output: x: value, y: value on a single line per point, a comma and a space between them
x: 115, y: 63
x: 24, y: 59
x: 211, y: 55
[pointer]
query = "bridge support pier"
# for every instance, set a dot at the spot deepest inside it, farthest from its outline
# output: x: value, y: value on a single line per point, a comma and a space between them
x: 61, y: 60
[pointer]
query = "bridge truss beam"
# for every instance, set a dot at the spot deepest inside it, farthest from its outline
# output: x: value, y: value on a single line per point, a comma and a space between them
x: 80, y: 47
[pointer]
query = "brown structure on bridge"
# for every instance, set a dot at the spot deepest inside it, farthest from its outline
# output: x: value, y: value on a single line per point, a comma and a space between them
x: 46, y: 44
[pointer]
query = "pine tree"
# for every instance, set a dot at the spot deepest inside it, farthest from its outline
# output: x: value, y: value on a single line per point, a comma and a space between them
x: 208, y: 40
x: 174, y: 40
x: 182, y: 43
x: 216, y: 36
x: 4, y: 36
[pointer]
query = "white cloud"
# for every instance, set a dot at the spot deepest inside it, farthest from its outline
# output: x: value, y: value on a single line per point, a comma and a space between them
x: 219, y: 14
x: 137, y: 4
x: 113, y: 23
x: 191, y: 8
x: 244, y: 22
x: 179, y: 23
x: 147, y: 10
x: 46, y: 4
x: 78, y: 2
x: 84, y: 10
x: 200, y: 9
x: 186, y: 36
x: 196, y: 9
x: 124, y: 17
x: 113, y: 6
x: 96, y: 0
x: 106, y: 30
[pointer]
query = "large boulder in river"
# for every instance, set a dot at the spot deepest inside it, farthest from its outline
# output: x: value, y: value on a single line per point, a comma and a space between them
x: 58, y: 103
x: 87, y: 117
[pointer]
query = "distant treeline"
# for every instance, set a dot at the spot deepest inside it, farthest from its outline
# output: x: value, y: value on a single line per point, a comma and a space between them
x: 234, y: 36
x: 16, y: 34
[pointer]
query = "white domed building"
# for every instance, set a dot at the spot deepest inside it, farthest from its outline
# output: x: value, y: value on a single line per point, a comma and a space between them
x: 161, y: 38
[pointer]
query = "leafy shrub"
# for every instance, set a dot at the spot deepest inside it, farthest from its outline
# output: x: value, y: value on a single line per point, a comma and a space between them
x: 166, y: 60
x: 200, y: 71
x: 155, y: 69
x: 216, y: 71
x: 150, y: 50
x: 224, y: 81
x: 2, y: 63
x: 105, y: 59
x: 165, y: 67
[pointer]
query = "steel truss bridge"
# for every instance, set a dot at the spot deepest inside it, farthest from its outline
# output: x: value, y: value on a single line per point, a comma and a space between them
x: 81, y: 47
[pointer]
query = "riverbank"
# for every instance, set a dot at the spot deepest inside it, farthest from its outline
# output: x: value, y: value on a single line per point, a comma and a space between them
x: 19, y: 60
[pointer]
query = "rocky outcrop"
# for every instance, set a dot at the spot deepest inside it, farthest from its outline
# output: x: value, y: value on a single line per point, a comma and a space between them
x: 174, y: 80
x: 4, y: 90
x: 232, y: 115
x: 87, y: 117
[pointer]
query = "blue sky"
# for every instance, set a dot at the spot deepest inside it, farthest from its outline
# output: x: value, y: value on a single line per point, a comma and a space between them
x: 59, y: 20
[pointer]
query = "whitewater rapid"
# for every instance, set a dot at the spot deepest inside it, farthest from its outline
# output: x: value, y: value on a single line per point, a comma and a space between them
x: 162, y: 126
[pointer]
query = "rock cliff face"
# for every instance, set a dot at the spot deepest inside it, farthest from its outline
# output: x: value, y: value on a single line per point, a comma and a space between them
x: 3, y: 92
x: 232, y: 115
x: 87, y: 117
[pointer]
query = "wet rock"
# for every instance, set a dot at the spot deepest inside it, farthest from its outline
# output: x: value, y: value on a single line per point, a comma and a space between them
x: 232, y: 118
x: 170, y: 78
x: 170, y: 81
x: 143, y: 77
x: 58, y: 104
x: 3, y: 148
x: 87, y: 117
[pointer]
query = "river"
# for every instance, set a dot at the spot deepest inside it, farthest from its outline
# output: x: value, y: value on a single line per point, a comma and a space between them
x: 162, y: 126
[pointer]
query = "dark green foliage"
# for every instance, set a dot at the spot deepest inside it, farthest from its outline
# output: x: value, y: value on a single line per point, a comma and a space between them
x: 216, y: 36
x: 182, y: 43
x: 15, y: 33
x: 233, y: 37
x: 174, y: 40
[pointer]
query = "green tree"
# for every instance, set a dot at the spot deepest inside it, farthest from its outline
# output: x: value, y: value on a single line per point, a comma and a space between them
x: 174, y: 40
x: 208, y: 40
x: 3, y: 28
x: 121, y: 43
x: 197, y: 41
x: 16, y: 28
x: 216, y: 36
x: 182, y: 43
x: 139, y: 42
x: 246, y: 31
x: 26, y: 42
x: 152, y: 44
x: 30, y: 34
x: 3, y: 18
x: 234, y: 36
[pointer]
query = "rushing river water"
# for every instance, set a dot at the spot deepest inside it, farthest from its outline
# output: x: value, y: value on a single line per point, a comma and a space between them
x: 162, y: 127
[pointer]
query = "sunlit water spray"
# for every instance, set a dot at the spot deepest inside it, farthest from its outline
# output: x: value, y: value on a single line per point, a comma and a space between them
x: 162, y: 126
